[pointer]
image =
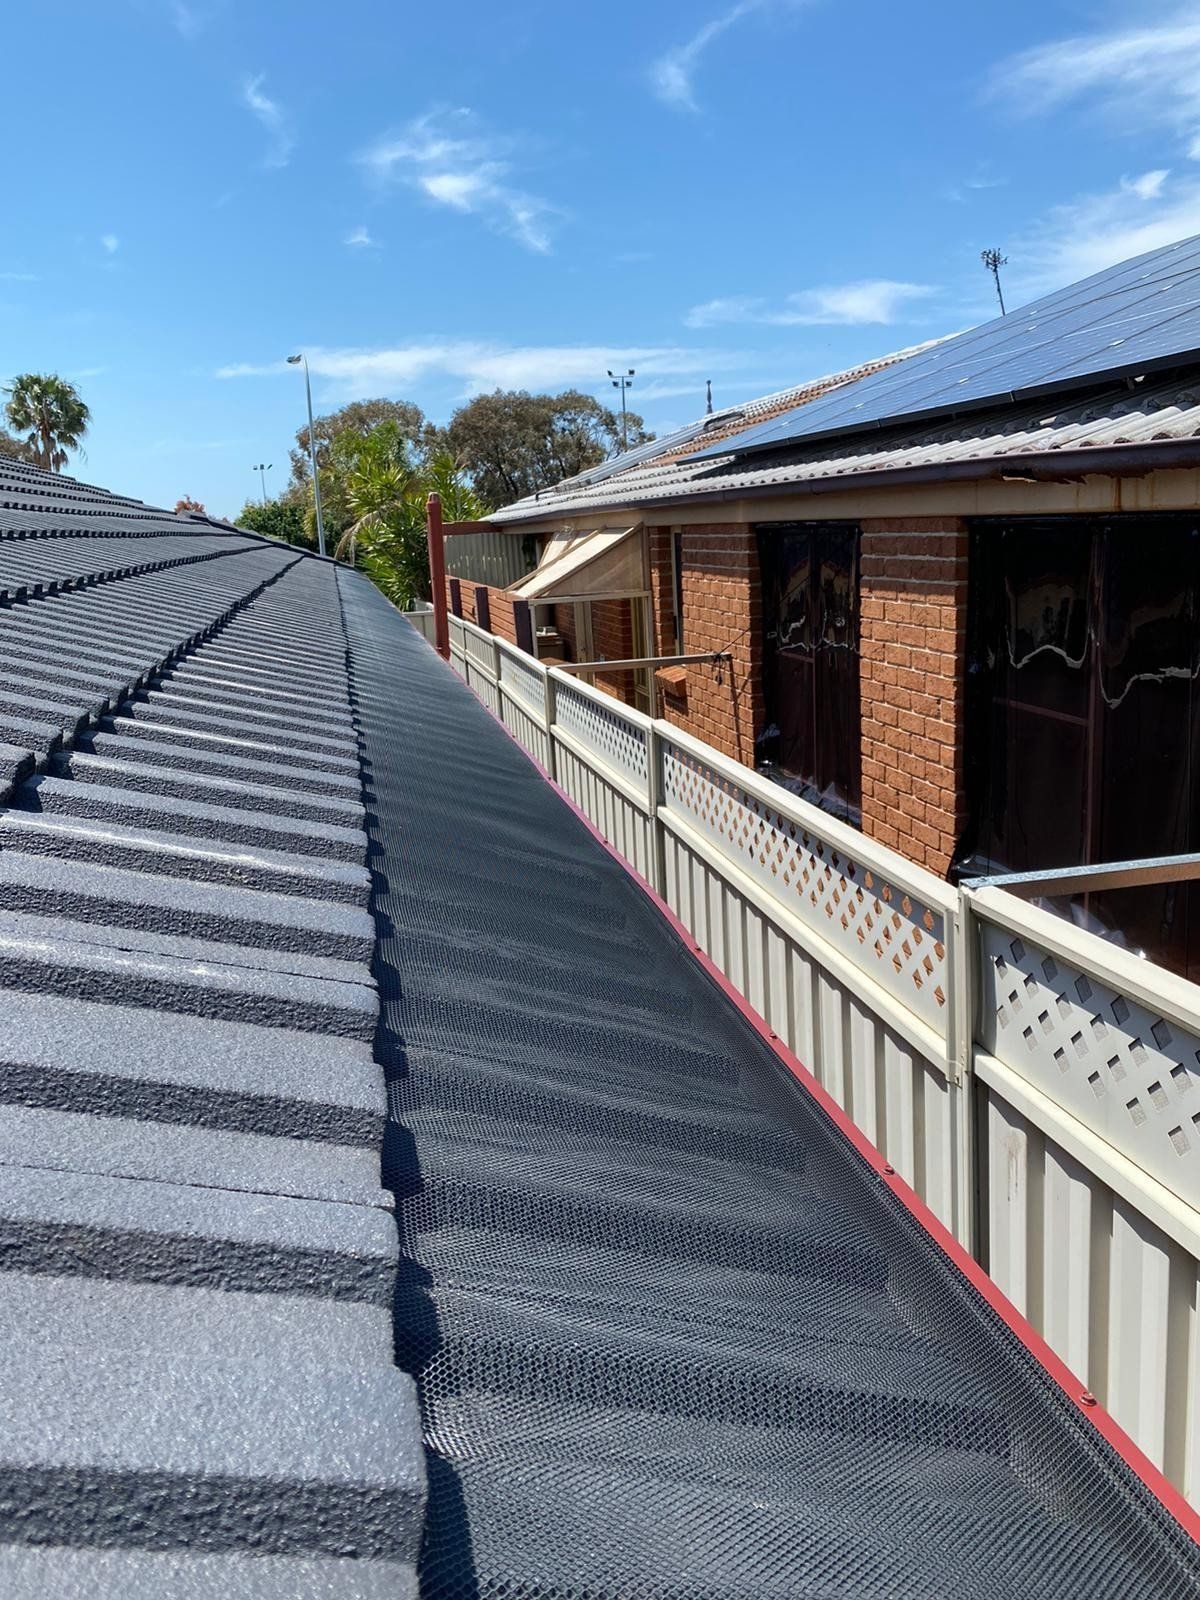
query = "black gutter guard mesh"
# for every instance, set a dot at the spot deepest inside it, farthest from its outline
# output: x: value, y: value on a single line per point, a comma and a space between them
x: 674, y: 1339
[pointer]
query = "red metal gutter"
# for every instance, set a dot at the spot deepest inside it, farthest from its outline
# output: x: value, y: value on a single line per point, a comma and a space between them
x: 1056, y: 1370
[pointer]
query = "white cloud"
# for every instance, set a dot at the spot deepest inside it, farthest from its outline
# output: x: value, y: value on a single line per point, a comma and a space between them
x: 672, y: 75
x: 875, y: 300
x: 359, y: 239
x: 1141, y: 77
x: 1095, y: 230
x: 271, y: 114
x: 981, y: 180
x: 186, y: 19
x: 454, y: 163
x: 110, y: 243
x: 18, y: 277
x: 1148, y: 186
x: 474, y: 366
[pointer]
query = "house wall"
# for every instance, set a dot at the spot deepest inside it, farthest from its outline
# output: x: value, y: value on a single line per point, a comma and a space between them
x: 913, y: 611
x: 913, y: 608
x: 722, y: 610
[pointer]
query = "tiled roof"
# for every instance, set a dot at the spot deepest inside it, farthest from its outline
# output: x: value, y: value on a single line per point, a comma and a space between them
x: 1150, y: 414
x: 198, y: 1393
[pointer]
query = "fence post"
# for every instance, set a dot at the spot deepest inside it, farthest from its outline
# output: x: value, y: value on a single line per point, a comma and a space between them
x: 436, y: 544
x: 456, y: 596
x: 523, y: 627
x: 654, y: 788
x: 551, y: 689
x: 483, y: 608
x: 964, y: 983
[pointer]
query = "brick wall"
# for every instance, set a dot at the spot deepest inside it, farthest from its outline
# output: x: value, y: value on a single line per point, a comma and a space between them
x: 913, y: 597
x: 500, y: 605
x: 612, y: 636
x: 722, y: 609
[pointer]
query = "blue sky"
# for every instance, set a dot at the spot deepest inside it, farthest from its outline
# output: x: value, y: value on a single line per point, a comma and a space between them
x: 434, y: 200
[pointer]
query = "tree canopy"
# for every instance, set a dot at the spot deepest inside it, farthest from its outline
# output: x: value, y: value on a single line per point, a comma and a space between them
x: 19, y: 449
x: 512, y: 443
x: 188, y: 504
x: 359, y: 417
x: 283, y: 519
x: 383, y: 490
x: 51, y: 414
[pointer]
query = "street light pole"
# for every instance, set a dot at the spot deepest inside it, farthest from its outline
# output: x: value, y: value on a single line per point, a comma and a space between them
x: 312, y: 451
x: 262, y: 468
x: 625, y: 381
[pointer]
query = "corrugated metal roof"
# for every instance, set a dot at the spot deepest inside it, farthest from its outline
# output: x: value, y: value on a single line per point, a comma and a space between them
x: 1147, y: 414
x: 198, y: 1255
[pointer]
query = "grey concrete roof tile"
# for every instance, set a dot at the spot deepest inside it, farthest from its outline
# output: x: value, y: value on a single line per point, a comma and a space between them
x: 72, y: 1223
x: 223, y: 823
x: 235, y: 743
x: 29, y: 1572
x: 212, y: 758
x: 192, y: 976
x: 76, y: 1055
x: 121, y: 1147
x: 280, y: 1459
x: 41, y: 1311
x: 47, y: 886
x: 16, y: 764
x: 193, y: 1232
x: 184, y: 712
x: 229, y: 789
x: 233, y: 682
x: 178, y: 855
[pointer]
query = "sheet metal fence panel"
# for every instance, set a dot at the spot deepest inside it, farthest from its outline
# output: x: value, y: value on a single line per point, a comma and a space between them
x: 496, y: 559
x: 422, y: 618
x: 1113, y: 1293
x: 524, y: 701
x: 1038, y: 1087
x: 896, y: 1092
x: 458, y: 644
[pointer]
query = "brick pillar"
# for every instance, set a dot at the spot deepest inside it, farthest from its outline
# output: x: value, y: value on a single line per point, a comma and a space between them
x: 722, y: 609
x: 662, y: 602
x: 913, y: 601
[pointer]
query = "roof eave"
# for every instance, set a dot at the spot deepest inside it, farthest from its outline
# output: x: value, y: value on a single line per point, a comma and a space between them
x: 1040, y: 466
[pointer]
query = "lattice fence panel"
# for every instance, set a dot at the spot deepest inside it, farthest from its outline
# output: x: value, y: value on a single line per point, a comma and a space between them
x: 524, y: 680
x: 889, y: 933
x: 1130, y: 1075
x: 616, y: 740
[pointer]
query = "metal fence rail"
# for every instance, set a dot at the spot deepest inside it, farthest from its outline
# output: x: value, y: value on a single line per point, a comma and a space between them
x: 1038, y: 1087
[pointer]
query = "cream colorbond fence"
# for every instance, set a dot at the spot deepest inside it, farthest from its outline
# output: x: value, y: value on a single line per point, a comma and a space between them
x: 1038, y: 1087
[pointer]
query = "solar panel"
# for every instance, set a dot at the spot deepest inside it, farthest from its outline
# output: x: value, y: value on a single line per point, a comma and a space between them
x: 642, y: 452
x: 1134, y: 317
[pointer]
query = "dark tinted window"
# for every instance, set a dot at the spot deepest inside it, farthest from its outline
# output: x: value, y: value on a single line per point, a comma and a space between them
x: 1083, y: 712
x: 812, y: 736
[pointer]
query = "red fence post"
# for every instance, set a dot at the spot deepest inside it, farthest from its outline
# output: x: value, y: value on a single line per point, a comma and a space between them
x: 437, y: 574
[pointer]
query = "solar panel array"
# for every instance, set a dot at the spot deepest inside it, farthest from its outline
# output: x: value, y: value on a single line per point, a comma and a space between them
x: 647, y: 451
x: 1138, y: 316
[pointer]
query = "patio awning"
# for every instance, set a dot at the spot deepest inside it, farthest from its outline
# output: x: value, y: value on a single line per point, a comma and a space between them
x: 604, y: 564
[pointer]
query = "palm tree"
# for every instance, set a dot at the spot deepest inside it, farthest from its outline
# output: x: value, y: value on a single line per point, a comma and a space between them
x: 50, y: 412
x: 384, y: 492
x: 376, y: 476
